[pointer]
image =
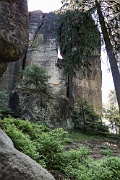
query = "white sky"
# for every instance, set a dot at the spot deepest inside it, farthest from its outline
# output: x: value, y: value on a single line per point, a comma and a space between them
x: 107, y: 80
x: 44, y: 5
x: 51, y: 5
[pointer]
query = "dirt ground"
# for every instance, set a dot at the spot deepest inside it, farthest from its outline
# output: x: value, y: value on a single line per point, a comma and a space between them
x: 96, y: 147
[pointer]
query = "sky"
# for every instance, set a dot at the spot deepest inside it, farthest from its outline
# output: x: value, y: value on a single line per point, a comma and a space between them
x: 44, y: 5
x: 51, y: 5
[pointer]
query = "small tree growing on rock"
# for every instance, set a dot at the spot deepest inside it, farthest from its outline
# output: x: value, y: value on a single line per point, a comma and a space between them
x: 34, y: 78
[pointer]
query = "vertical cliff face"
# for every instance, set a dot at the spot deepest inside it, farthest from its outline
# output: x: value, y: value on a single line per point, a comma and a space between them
x: 13, y: 31
x: 43, y: 51
x: 89, y: 87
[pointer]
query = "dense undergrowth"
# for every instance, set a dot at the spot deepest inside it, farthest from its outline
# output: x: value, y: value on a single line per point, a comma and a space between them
x: 47, y: 147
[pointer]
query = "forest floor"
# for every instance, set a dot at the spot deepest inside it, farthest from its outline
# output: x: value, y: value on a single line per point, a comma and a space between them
x: 96, y: 144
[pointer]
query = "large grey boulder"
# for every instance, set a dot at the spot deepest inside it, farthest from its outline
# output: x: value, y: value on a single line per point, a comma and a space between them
x: 15, y: 165
x: 13, y: 30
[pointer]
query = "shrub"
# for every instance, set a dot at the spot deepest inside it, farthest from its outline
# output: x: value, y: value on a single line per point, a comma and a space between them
x: 104, y: 169
x: 46, y: 147
x: 106, y: 152
x: 37, y: 141
x: 75, y: 161
x: 21, y: 141
x: 86, y: 120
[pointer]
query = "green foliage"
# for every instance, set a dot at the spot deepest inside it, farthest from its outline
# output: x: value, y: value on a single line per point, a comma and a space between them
x: 46, y: 147
x: 78, y: 38
x: 76, y: 135
x: 80, y: 154
x: 21, y: 140
x: 106, y: 152
x: 104, y: 169
x: 35, y: 78
x: 86, y: 120
x: 75, y: 161
x: 111, y: 110
x: 37, y: 141
x: 4, y: 110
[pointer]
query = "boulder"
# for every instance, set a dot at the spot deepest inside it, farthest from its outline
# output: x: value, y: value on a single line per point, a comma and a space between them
x: 15, y: 165
x: 13, y: 30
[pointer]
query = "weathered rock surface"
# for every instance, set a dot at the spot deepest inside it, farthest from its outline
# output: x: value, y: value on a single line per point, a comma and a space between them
x: 13, y: 30
x: 15, y: 165
x: 43, y: 51
x: 89, y: 87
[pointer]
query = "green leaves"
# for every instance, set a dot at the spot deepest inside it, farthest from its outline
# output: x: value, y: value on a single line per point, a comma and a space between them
x: 37, y: 141
x: 35, y: 78
x: 46, y: 147
x: 86, y: 120
x: 78, y: 38
x: 111, y: 111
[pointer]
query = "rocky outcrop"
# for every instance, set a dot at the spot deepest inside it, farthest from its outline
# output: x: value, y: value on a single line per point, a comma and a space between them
x: 13, y: 31
x: 89, y: 87
x: 43, y: 51
x: 15, y: 165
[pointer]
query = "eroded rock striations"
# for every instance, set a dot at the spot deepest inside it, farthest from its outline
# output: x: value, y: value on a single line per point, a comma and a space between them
x: 13, y: 31
x: 43, y: 51
x: 15, y: 165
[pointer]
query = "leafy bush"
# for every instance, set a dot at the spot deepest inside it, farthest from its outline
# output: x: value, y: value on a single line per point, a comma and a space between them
x: 75, y: 161
x: 86, y: 120
x: 104, y: 169
x: 106, y: 152
x: 37, y: 141
x: 46, y: 147
x: 21, y: 140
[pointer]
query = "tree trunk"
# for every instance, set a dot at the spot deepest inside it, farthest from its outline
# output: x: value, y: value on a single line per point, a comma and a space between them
x: 111, y: 56
x: 70, y: 89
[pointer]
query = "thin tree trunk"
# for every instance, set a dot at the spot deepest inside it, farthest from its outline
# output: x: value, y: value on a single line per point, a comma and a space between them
x: 111, y: 56
x: 70, y: 89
